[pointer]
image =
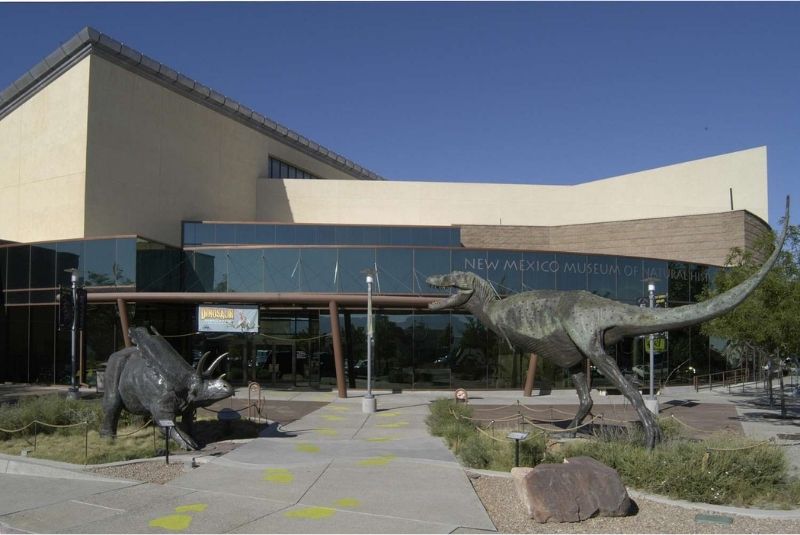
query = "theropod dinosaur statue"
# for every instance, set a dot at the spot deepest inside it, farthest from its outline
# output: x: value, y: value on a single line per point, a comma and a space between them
x: 153, y: 379
x: 568, y: 326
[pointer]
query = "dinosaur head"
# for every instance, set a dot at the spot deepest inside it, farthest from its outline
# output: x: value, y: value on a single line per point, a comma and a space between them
x: 204, y: 390
x: 462, y: 281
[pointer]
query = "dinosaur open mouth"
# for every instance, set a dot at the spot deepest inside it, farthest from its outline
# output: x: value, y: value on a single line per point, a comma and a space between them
x: 451, y: 301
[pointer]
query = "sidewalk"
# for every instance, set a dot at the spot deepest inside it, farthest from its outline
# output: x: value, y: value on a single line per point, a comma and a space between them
x: 333, y: 470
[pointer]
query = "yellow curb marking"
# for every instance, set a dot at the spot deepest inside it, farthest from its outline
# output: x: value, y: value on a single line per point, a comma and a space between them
x: 327, y: 431
x: 387, y: 414
x: 393, y: 425
x: 377, y: 461
x: 332, y: 417
x: 348, y: 502
x: 312, y: 513
x: 172, y: 522
x: 380, y: 439
x: 278, y: 475
x: 192, y: 508
x: 307, y: 448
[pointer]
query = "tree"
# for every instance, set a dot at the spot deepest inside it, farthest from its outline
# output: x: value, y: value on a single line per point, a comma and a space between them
x: 769, y: 319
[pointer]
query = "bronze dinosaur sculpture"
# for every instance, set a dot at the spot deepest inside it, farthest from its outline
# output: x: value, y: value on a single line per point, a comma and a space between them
x: 153, y: 379
x: 568, y: 326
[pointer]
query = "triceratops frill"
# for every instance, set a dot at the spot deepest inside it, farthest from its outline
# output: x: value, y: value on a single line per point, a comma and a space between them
x: 153, y: 379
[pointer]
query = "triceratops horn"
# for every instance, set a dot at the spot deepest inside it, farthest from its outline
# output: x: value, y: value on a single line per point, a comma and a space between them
x: 152, y: 328
x: 214, y: 364
x: 202, y: 361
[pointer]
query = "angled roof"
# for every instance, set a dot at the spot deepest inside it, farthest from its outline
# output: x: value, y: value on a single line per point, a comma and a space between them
x: 89, y: 41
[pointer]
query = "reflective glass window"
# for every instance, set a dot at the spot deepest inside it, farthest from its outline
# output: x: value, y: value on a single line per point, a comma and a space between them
x: 656, y: 271
x: 69, y: 255
x: 318, y: 270
x: 503, y: 271
x: 325, y: 235
x: 246, y: 234
x: 285, y: 235
x: 348, y: 235
x: 393, y: 350
x: 305, y: 235
x: 125, y: 265
x: 432, y: 350
x: 100, y: 256
x: 572, y: 272
x: 226, y: 234
x: 402, y: 236
x: 680, y: 282
x: 201, y: 277
x: 189, y: 233
x: 539, y: 271
x: 265, y: 234
x: 158, y: 267
x: 282, y: 270
x: 245, y: 270
x: 602, y: 275
x: 468, y: 359
x: 352, y: 266
x: 395, y: 271
x: 204, y: 233
x: 371, y: 236
x: 274, y: 168
x: 19, y: 259
x: 441, y: 237
x: 43, y: 266
x: 421, y: 236
x: 472, y: 260
x: 429, y: 262
x: 629, y: 279
x: 3, y: 253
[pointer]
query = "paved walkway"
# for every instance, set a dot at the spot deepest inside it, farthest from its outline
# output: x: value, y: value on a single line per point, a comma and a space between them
x: 334, y: 470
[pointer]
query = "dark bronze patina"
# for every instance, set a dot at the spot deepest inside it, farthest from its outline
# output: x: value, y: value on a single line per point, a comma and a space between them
x: 152, y: 378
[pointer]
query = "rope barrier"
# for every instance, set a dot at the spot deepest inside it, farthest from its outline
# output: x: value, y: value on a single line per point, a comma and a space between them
x: 690, y: 426
x: 559, y: 430
x: 148, y: 422
x: 228, y: 408
x: 742, y: 448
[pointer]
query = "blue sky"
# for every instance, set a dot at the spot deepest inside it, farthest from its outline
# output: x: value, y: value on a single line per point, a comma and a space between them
x: 545, y: 93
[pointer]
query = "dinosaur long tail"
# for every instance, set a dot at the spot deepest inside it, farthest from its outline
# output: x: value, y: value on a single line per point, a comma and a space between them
x: 646, y: 320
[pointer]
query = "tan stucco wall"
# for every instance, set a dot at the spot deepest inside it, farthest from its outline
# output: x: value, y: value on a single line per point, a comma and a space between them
x: 157, y: 157
x: 703, y: 239
x: 43, y: 161
x: 696, y: 187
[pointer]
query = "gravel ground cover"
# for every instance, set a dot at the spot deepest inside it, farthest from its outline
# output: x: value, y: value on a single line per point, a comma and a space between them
x: 507, y: 512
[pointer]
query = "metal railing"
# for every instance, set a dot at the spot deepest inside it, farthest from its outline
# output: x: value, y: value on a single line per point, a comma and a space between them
x: 723, y: 378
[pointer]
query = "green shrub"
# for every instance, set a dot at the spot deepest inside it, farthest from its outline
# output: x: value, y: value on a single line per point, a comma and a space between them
x: 723, y: 469
x: 53, y: 409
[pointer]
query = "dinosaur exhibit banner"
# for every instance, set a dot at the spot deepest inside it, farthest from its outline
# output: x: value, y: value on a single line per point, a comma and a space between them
x: 227, y: 319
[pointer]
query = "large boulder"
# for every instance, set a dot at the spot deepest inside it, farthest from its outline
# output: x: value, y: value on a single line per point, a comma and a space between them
x: 573, y: 491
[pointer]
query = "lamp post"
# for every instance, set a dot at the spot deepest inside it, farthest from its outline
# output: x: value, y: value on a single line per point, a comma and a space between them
x: 652, y: 403
x: 72, y: 393
x: 368, y: 404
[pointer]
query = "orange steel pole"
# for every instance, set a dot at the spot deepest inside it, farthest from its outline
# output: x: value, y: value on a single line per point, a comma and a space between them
x: 123, y: 321
x: 338, y: 359
x: 531, y: 375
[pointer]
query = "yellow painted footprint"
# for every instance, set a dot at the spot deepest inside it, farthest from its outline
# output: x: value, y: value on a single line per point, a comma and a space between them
x: 381, y: 439
x: 393, y: 425
x: 310, y: 513
x: 339, y: 408
x: 388, y: 414
x: 178, y: 522
x: 347, y: 502
x: 307, y: 448
x: 278, y: 475
x: 332, y: 417
x: 327, y: 431
x: 377, y: 461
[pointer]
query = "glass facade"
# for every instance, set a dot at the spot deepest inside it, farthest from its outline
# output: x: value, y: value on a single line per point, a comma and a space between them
x: 281, y: 169
x: 293, y: 348
x: 197, y: 233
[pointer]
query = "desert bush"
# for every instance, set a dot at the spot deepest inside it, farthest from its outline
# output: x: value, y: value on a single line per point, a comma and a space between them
x: 53, y: 409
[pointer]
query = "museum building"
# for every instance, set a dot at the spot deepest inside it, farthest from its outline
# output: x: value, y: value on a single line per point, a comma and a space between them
x: 178, y: 205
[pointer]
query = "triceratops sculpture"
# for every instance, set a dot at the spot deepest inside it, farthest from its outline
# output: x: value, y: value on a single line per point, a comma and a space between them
x: 153, y: 379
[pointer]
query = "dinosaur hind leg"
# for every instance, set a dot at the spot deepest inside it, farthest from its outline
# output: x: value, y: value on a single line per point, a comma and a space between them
x: 584, y: 399
x: 608, y: 367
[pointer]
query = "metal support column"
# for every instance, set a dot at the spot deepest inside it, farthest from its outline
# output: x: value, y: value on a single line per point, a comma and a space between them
x: 338, y: 357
